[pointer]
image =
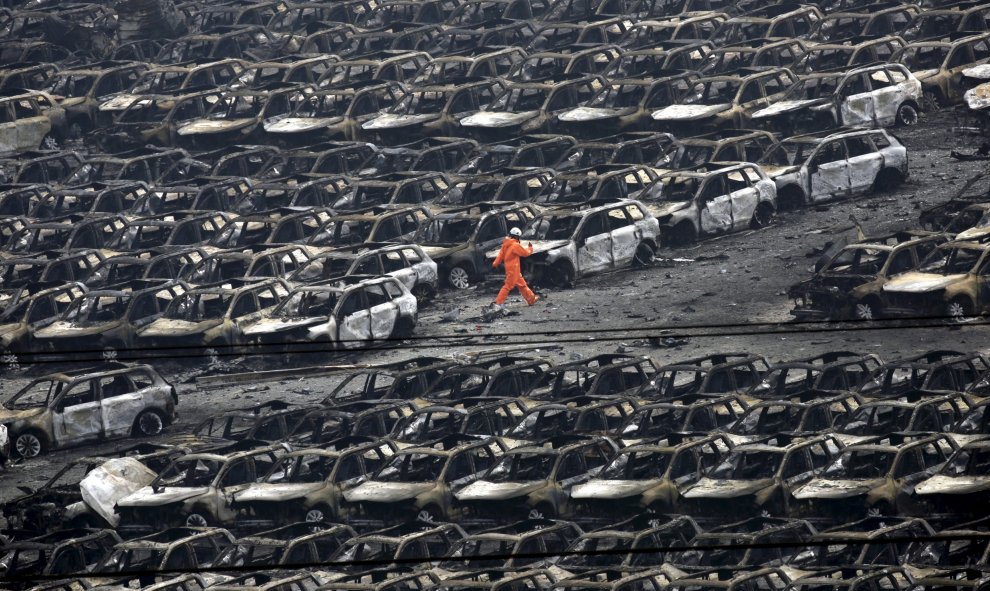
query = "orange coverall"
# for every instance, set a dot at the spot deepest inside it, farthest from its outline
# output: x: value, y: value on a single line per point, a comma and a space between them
x: 510, y: 254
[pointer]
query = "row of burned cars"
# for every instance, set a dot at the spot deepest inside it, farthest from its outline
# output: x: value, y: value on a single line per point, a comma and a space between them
x: 706, y: 472
x: 939, y: 270
x: 305, y: 175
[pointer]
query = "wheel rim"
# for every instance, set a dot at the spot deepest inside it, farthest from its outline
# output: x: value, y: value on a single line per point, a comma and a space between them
x: 908, y: 115
x: 957, y: 311
x: 426, y: 516
x: 28, y: 445
x: 315, y: 515
x: 109, y: 354
x: 459, y: 278
x: 933, y: 103
x: 562, y: 276
x: 196, y: 520
x: 864, y: 312
x: 9, y: 361
x: 536, y: 514
x: 150, y: 424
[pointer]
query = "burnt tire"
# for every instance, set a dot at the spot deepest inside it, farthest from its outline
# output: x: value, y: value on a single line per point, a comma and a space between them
x: 683, y: 234
x: 29, y: 444
x: 424, y: 292
x: 148, y: 424
x: 459, y: 277
x: 430, y: 514
x: 561, y: 275
x: 907, y: 115
x: 887, y: 180
x: 645, y: 255
x: 403, y: 328
x: 933, y: 101
x: 762, y: 217
x: 543, y: 511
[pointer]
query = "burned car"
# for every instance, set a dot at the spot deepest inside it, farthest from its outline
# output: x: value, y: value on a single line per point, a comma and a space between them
x: 528, y: 107
x: 536, y: 480
x: 434, y: 110
x: 196, y: 489
x: 713, y: 199
x: 422, y: 481
x: 459, y: 240
x: 212, y: 316
x: 350, y: 313
x: 651, y: 476
x: 310, y: 484
x: 61, y: 553
x: 334, y: 113
x: 175, y: 548
x: 848, y: 284
x: 947, y: 283
x: 30, y: 308
x: 627, y: 104
x: 878, y: 474
x: 408, y: 263
x: 958, y: 485
x: 72, y: 408
x: 295, y: 544
x: 872, y: 96
x: 718, y: 102
x: 28, y: 119
x: 571, y: 244
x: 938, y: 64
x: 762, y: 476
x: 819, y: 167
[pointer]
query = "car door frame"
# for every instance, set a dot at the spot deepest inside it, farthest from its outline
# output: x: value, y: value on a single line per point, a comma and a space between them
x: 61, y: 435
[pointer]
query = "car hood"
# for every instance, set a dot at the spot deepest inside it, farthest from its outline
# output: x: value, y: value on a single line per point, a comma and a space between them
x: 63, y: 330
x: 267, y: 492
x: 953, y: 485
x: 119, y: 102
x: 973, y: 233
x: 594, y: 114
x: 299, y: 124
x: 497, y: 119
x: 390, y: 121
x: 689, y: 112
x: 835, y: 489
x: 612, y: 489
x: 112, y: 481
x: 387, y: 492
x: 662, y: 209
x: 8, y: 328
x: 775, y: 171
x: 214, y: 126
x: 921, y: 282
x: 726, y: 489
x: 978, y: 98
x: 168, y: 327
x: 8, y: 415
x: 272, y: 325
x: 782, y: 107
x: 922, y: 74
x: 147, y: 497
x: 484, y: 490
x: 436, y: 252
x: 538, y: 246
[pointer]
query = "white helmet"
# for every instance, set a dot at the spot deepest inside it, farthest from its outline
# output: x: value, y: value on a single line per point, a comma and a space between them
x: 515, y: 232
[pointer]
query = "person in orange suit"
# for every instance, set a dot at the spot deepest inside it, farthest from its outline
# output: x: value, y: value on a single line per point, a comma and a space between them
x: 510, y: 254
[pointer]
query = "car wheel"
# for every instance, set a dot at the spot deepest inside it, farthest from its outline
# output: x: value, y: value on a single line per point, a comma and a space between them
x: 959, y: 309
x: 459, y: 278
x: 866, y: 310
x: 430, y: 514
x: 907, y: 115
x: 109, y: 354
x: 933, y: 102
x: 762, y: 216
x: 561, y: 275
x: 9, y: 361
x: 423, y: 292
x: 196, y: 520
x: 683, y: 234
x: 887, y: 180
x: 318, y: 514
x: 542, y: 511
x: 645, y: 255
x: 29, y: 445
x: 148, y: 424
